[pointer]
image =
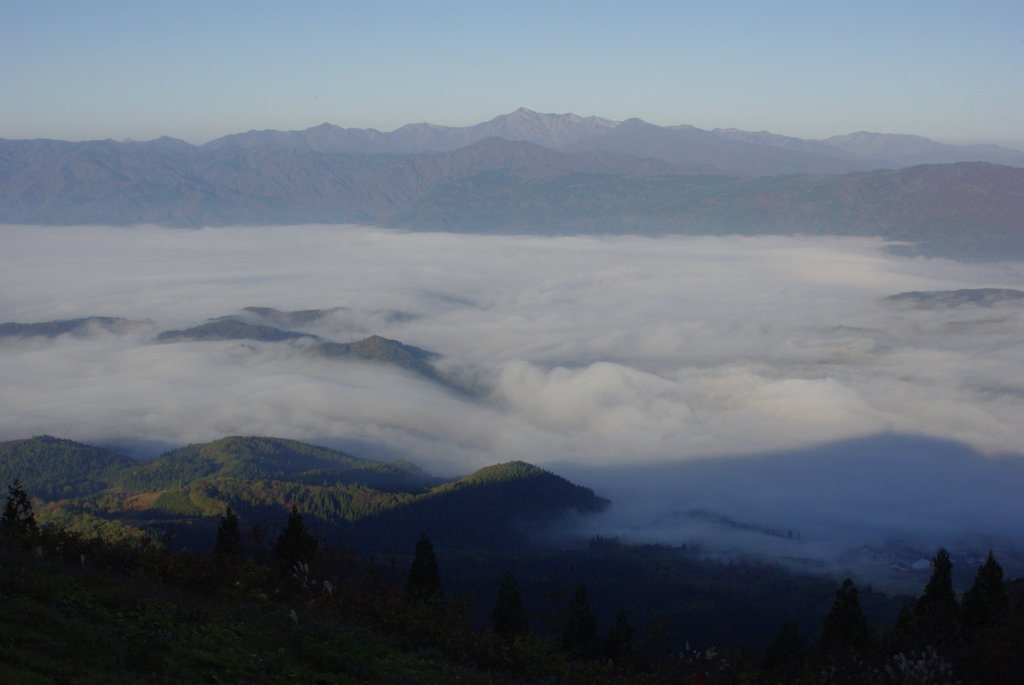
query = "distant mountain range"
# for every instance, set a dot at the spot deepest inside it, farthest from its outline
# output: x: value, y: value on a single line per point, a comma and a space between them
x: 51, y: 182
x: 536, y: 173
x: 729, y: 150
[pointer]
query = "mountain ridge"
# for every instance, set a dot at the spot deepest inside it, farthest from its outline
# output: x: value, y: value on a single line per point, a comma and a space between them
x: 605, y: 176
x: 109, y: 182
x: 857, y: 151
x: 548, y: 130
x: 970, y: 210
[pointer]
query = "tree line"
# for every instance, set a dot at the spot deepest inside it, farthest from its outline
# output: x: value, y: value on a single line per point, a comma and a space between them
x: 939, y: 637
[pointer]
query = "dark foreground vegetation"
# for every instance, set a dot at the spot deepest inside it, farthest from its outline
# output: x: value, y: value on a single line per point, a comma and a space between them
x: 75, y: 609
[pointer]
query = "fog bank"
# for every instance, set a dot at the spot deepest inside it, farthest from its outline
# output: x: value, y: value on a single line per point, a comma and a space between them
x: 594, y: 351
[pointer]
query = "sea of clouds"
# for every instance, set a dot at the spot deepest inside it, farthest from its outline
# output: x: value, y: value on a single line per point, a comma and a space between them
x: 590, y: 353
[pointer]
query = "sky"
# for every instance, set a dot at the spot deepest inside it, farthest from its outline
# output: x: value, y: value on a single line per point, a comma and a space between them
x: 951, y: 71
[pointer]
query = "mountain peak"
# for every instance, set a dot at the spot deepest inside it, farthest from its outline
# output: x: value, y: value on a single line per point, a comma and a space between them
x: 871, y: 135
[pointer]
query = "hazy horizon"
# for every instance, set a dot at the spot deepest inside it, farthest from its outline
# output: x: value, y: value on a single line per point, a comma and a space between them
x: 1017, y: 144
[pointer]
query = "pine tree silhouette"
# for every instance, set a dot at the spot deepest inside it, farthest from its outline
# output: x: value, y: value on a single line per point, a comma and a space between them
x: 845, y: 626
x: 424, y: 581
x: 18, y: 519
x: 933, y: 620
x: 579, y: 634
x: 509, y: 617
x: 787, y: 650
x: 296, y: 543
x: 618, y: 646
x: 939, y: 595
x: 986, y: 602
x: 229, y: 535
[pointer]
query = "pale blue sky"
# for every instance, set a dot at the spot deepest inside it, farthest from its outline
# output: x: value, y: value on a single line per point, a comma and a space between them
x: 952, y: 71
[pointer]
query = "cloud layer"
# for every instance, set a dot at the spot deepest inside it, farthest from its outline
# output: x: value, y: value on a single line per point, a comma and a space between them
x: 588, y: 350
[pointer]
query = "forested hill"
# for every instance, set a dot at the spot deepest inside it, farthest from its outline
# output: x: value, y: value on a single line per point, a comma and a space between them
x: 51, y: 468
x: 258, y: 458
x: 505, y: 501
x: 373, y: 505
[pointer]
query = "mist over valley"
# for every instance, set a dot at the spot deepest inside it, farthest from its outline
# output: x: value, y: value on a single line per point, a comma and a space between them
x: 721, y: 391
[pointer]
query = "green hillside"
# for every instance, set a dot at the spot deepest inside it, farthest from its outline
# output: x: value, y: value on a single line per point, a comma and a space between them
x: 373, y: 505
x: 258, y: 458
x: 51, y: 468
x: 495, y: 507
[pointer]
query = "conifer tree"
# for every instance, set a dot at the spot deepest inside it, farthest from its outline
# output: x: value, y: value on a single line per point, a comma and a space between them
x: 618, y: 646
x: 18, y: 519
x: 229, y: 534
x: 296, y: 543
x: 509, y: 617
x: 787, y: 650
x: 424, y: 581
x: 937, y: 612
x: 986, y: 602
x: 845, y: 626
x: 579, y: 634
x: 939, y: 596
